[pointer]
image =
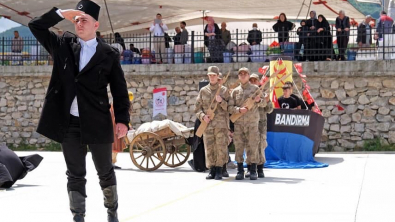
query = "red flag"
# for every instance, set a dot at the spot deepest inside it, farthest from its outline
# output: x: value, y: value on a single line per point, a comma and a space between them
x: 307, y: 86
x: 263, y: 80
x: 274, y: 100
x: 339, y: 107
x: 303, y: 80
x: 274, y: 44
x: 263, y: 70
x: 299, y: 68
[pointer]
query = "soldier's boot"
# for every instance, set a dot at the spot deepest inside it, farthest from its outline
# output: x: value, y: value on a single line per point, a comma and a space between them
x: 260, y: 171
x: 111, y: 203
x: 77, y: 206
x: 218, y: 173
x: 248, y: 171
x: 224, y: 171
x: 211, y: 174
x: 240, y: 171
x: 253, y: 174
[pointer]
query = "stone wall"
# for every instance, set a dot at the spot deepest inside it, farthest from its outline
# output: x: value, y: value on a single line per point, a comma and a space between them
x: 366, y: 91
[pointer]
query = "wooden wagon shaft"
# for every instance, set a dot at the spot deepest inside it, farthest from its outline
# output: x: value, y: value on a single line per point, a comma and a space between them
x: 249, y: 103
x: 211, y: 110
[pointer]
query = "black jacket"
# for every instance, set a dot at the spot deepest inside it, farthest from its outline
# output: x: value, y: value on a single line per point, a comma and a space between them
x: 283, y: 29
x: 342, y: 24
x: 218, y: 34
x: 254, y: 36
x: 312, y: 22
x: 90, y: 86
x: 302, y: 33
x: 177, y: 39
x: 361, y: 37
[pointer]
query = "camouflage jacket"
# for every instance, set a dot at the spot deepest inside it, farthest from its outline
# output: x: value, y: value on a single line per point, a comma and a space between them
x: 263, y: 111
x: 203, y: 101
x: 237, y: 99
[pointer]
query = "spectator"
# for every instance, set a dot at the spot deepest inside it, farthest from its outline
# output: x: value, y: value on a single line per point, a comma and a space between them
x: 184, y: 33
x: 158, y: 28
x: 342, y: 33
x: 118, y: 46
x: 133, y: 49
x: 364, y: 37
x: 384, y: 24
x: 283, y: 27
x: 119, y: 39
x: 225, y: 34
x: 324, y: 39
x: 286, y: 101
x: 254, y: 35
x: 213, y: 40
x: 302, y: 32
x: 311, y: 51
x: 99, y: 37
x: 177, y: 37
x: 17, y: 43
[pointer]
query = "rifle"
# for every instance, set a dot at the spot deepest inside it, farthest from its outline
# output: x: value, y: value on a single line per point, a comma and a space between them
x: 249, y: 103
x: 211, y: 109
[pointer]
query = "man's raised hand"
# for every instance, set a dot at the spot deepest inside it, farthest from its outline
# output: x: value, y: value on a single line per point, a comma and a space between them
x: 70, y: 14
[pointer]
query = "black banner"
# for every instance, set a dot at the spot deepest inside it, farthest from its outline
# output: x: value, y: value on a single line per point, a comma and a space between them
x: 302, y: 122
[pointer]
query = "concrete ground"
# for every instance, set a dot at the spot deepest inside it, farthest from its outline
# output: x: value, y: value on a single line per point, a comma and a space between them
x: 355, y: 187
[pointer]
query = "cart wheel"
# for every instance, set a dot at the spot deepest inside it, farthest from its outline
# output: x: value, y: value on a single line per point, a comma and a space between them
x: 177, y: 155
x: 147, y: 151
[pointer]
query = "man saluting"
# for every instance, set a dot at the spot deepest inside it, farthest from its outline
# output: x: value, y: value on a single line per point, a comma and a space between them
x: 76, y: 111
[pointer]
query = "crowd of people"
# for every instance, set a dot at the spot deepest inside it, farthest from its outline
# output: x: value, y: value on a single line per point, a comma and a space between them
x: 315, y: 36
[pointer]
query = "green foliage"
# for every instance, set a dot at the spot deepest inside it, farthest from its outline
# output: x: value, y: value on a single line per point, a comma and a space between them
x: 376, y: 145
x: 24, y: 146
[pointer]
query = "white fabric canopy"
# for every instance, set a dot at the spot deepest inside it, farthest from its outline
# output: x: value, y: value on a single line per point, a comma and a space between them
x: 135, y: 15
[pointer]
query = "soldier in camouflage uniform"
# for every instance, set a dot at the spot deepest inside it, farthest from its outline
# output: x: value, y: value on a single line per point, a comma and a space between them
x: 215, y: 137
x: 263, y: 111
x: 246, y: 127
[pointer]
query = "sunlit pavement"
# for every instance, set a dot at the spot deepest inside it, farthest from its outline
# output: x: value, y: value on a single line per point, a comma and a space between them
x: 355, y: 187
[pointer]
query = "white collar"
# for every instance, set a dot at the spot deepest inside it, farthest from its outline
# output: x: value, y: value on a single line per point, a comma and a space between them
x: 88, y: 43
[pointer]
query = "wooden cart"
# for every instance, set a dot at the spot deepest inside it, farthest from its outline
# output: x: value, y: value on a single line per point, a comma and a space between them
x: 149, y: 150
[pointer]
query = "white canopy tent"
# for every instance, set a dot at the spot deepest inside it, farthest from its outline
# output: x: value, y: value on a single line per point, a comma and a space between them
x: 137, y: 15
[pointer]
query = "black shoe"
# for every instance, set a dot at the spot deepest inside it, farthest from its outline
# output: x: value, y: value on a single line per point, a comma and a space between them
x: 218, y: 173
x: 224, y: 171
x: 253, y: 174
x: 260, y: 171
x: 116, y: 167
x: 77, y: 206
x: 111, y: 203
x: 211, y: 175
x: 240, y: 171
x: 248, y: 171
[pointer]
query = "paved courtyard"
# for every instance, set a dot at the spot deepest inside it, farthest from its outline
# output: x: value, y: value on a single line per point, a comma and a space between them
x: 355, y: 187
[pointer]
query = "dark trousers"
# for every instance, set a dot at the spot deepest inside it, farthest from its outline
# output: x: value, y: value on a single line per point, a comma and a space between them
x: 342, y: 42
x: 74, y: 154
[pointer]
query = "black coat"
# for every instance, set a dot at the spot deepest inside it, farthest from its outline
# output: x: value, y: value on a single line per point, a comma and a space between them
x: 361, y: 37
x: 90, y: 86
x: 254, y: 36
x: 218, y: 34
x: 342, y: 24
x: 283, y: 29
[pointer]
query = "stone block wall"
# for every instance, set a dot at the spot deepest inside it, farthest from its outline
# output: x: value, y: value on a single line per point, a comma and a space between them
x: 365, y: 90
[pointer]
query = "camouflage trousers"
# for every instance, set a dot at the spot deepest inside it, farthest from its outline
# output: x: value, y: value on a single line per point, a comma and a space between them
x: 216, y: 146
x: 246, y: 137
x: 261, y: 151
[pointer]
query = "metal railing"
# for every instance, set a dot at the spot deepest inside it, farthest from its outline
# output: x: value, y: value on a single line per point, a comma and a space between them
x: 299, y: 45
